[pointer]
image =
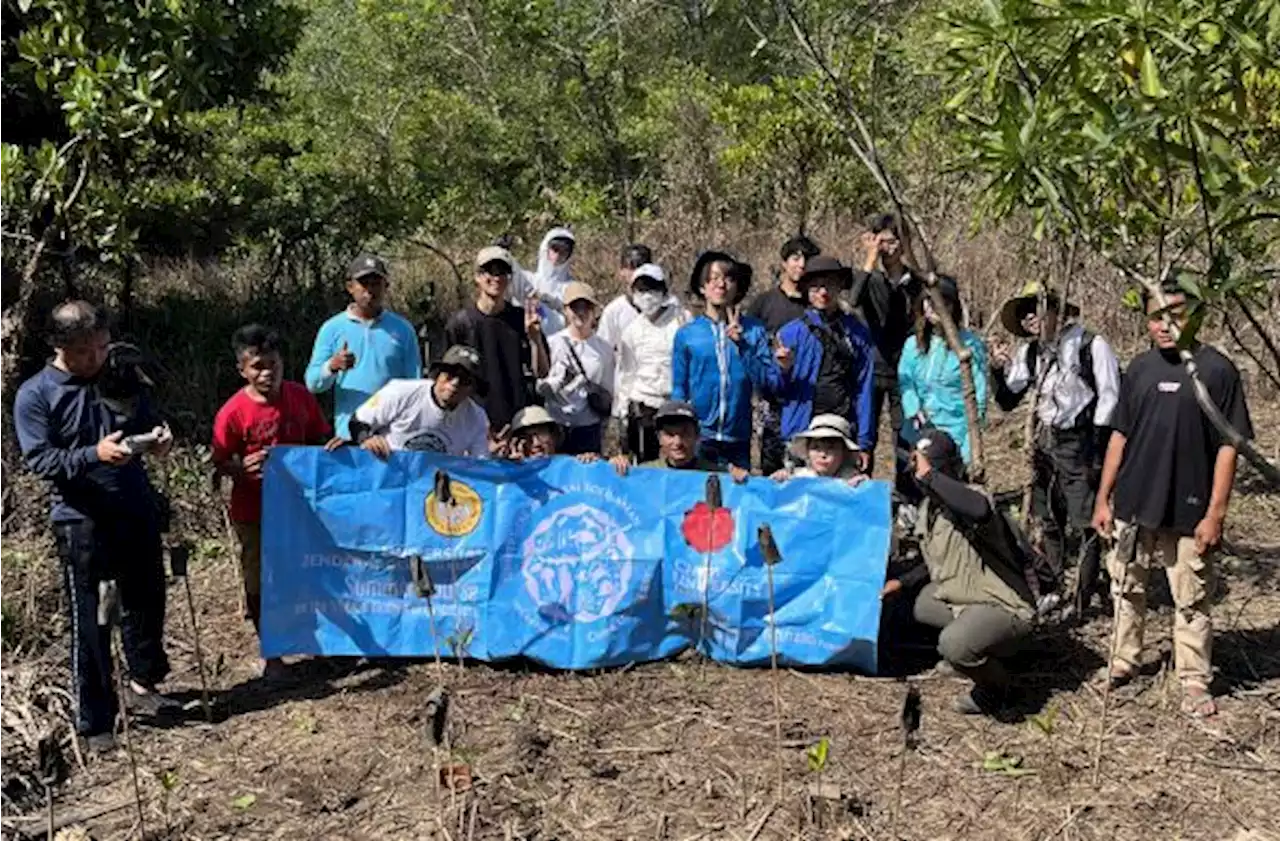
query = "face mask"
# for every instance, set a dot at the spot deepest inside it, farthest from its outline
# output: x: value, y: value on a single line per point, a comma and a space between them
x: 649, y: 302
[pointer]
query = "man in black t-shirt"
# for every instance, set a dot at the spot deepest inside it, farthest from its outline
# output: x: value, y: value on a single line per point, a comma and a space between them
x: 512, y: 347
x: 1171, y: 472
x: 778, y: 306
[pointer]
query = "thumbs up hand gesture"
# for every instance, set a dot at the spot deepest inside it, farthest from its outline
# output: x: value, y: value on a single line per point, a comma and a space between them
x: 343, y: 360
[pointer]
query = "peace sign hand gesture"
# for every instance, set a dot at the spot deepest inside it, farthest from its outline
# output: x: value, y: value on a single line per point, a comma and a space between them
x: 734, y: 328
x: 532, y: 321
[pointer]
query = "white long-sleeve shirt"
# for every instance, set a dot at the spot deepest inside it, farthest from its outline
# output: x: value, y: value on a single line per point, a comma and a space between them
x: 565, y: 388
x: 615, y: 318
x: 644, y: 359
x: 1064, y: 394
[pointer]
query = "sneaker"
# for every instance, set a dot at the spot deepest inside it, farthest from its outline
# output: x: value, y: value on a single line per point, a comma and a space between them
x: 100, y: 743
x: 147, y: 700
x: 273, y: 669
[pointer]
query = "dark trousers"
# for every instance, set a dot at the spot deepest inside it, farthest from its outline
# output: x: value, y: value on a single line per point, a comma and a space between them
x: 642, y: 435
x: 887, y: 393
x: 1062, y: 497
x: 724, y: 453
x: 134, y: 558
x: 583, y: 439
x: 773, y: 447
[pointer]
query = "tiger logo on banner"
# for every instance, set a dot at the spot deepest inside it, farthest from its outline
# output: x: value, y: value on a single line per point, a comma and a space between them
x: 457, y: 518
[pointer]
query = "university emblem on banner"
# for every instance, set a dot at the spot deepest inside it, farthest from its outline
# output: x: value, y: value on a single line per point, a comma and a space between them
x: 578, y: 563
x: 457, y: 518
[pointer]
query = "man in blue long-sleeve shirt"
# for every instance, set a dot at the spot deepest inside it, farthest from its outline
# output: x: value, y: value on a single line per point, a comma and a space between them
x: 719, y: 358
x: 364, y: 347
x: 827, y: 360
x: 106, y: 520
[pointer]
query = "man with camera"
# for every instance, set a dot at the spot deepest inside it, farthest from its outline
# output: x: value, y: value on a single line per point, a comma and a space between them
x: 106, y: 516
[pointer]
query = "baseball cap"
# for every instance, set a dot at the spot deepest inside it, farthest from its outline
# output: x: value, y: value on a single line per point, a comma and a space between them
x: 941, y: 449
x: 465, y: 359
x: 579, y: 291
x: 529, y: 417
x: 650, y: 270
x: 366, y: 265
x: 494, y: 254
x: 675, y: 410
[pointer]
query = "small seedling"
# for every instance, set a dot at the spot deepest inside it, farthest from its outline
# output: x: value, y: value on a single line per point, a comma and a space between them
x: 999, y: 762
x: 245, y: 801
x: 1045, y: 721
x: 168, y: 779
x: 460, y: 642
x: 817, y: 755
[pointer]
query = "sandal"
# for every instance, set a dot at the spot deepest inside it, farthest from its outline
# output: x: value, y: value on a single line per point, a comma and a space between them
x: 1198, y: 702
x: 1120, y: 675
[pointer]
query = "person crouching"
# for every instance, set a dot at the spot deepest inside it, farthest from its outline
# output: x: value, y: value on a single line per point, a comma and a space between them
x: 826, y: 450
x: 976, y: 595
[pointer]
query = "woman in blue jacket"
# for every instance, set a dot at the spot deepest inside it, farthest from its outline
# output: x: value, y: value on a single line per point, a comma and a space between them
x: 929, y: 374
x: 720, y: 357
x: 827, y: 360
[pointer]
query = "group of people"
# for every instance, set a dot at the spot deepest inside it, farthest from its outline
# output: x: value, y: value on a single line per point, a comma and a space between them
x: 537, y: 365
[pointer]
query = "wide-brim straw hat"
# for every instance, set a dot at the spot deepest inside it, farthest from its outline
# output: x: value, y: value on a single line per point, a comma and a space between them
x: 1011, y: 312
x: 823, y: 426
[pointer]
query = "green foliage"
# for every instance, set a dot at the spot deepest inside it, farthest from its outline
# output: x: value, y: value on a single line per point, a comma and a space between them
x: 1146, y: 127
x: 109, y: 90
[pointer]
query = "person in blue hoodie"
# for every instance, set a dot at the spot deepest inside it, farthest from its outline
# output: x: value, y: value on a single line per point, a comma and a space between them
x: 929, y: 374
x: 720, y: 358
x: 827, y: 360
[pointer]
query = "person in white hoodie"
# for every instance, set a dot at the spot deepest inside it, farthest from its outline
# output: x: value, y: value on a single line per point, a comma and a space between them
x: 549, y: 281
x: 643, y: 378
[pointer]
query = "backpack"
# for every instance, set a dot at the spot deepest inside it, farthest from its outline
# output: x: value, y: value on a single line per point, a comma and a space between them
x: 1005, y: 546
x: 1084, y: 363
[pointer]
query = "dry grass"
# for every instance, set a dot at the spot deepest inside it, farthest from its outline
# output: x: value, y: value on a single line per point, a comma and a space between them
x: 662, y: 751
x: 678, y: 751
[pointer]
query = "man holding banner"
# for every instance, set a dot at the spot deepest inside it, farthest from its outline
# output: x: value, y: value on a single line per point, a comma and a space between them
x: 435, y: 415
x: 677, y: 425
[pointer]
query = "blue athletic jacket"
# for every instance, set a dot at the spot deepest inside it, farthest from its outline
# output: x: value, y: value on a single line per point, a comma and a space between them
x: 717, y: 375
x: 798, y: 384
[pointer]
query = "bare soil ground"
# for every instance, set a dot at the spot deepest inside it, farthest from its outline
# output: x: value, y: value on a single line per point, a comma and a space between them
x: 681, y: 750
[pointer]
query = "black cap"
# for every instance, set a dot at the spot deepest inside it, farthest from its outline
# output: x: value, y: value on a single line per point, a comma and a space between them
x: 824, y: 265
x: 675, y: 410
x: 365, y: 265
x: 465, y: 359
x: 940, y: 448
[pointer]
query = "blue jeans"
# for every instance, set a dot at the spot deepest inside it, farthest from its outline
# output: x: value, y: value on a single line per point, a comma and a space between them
x: 737, y: 453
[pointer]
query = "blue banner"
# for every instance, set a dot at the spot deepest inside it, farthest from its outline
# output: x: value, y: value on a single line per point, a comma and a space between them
x: 568, y: 564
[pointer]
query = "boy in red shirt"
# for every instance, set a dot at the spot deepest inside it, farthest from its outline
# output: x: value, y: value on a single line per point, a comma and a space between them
x: 266, y: 412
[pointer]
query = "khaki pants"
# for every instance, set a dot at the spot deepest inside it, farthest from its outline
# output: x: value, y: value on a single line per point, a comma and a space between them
x: 1190, y: 581
x: 250, y: 536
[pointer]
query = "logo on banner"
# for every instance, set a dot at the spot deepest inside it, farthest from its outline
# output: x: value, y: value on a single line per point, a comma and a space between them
x: 458, y: 517
x: 577, y: 564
